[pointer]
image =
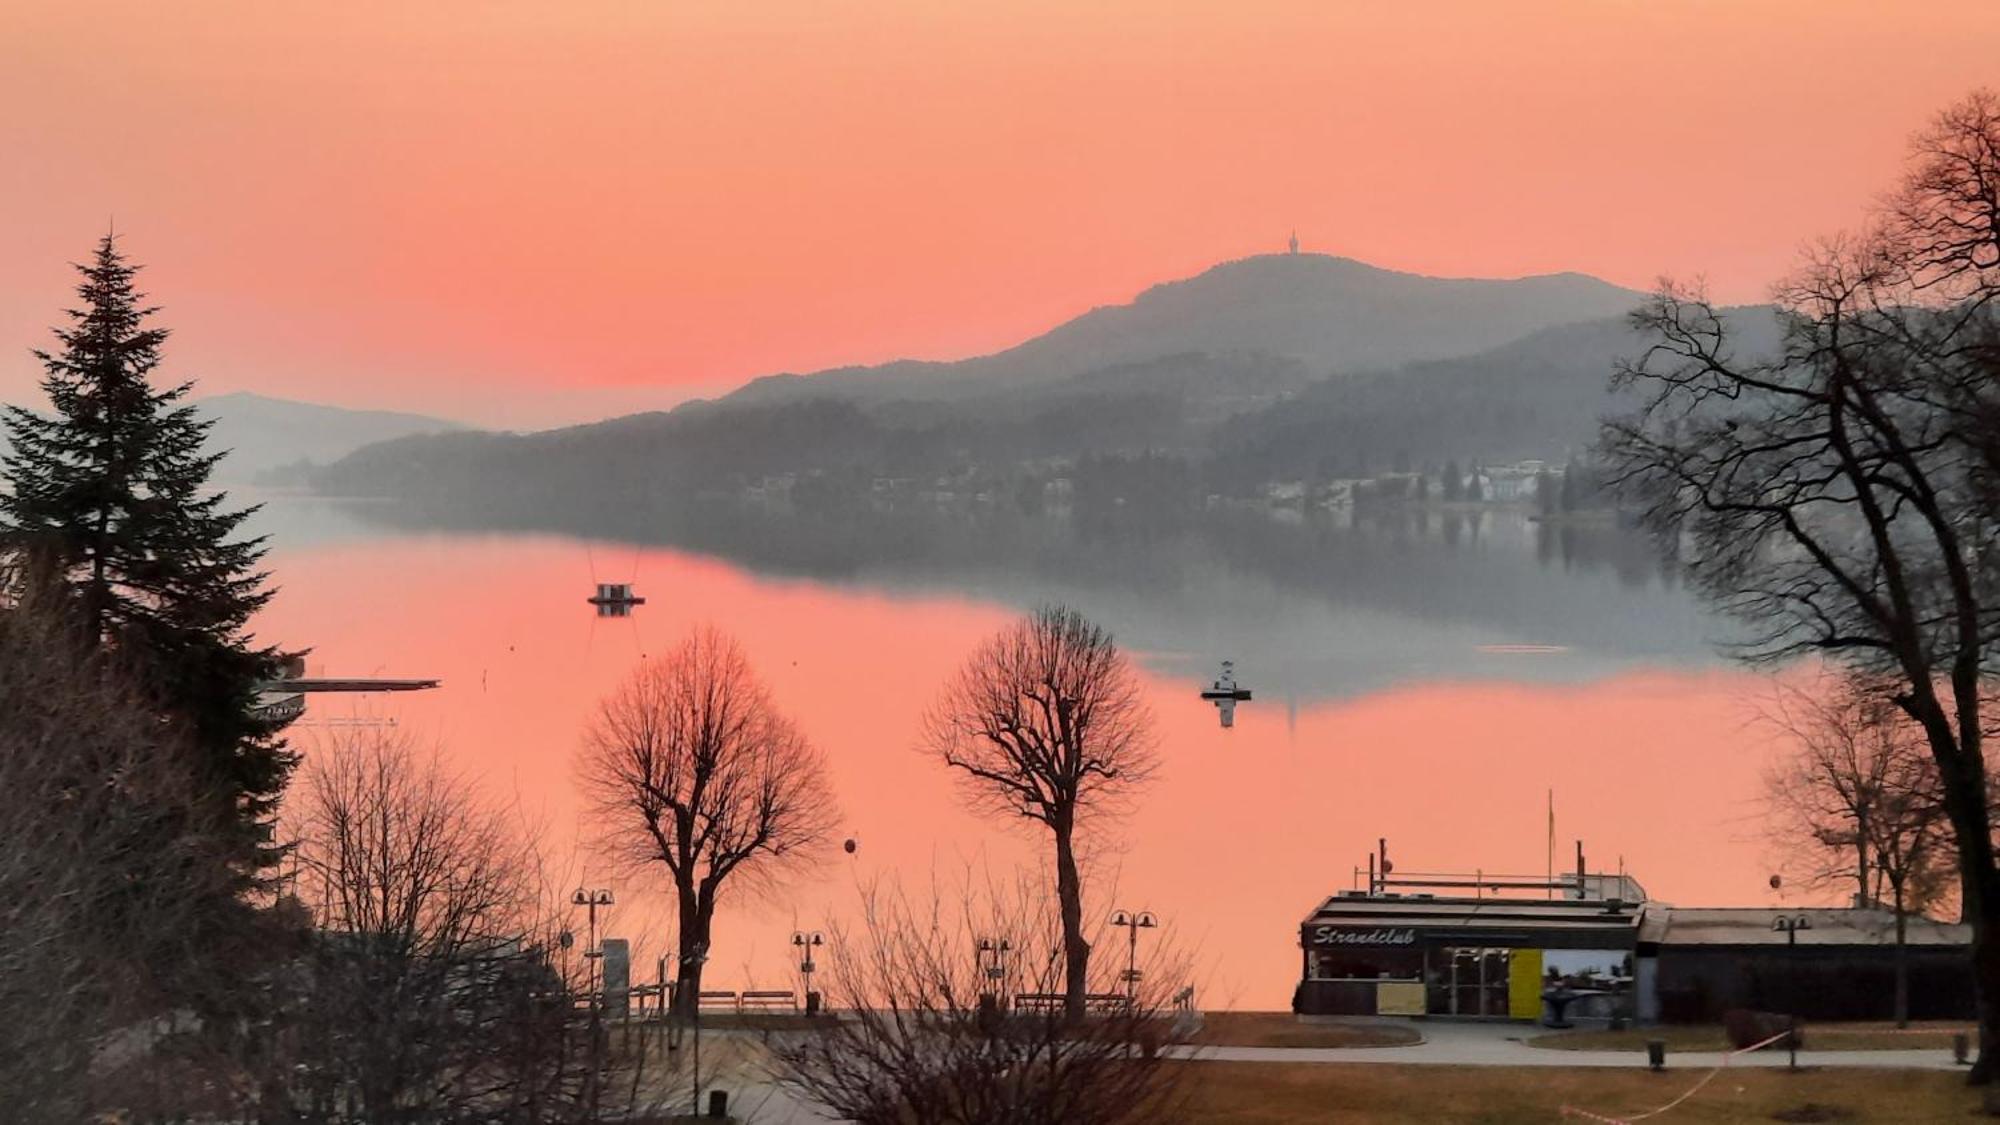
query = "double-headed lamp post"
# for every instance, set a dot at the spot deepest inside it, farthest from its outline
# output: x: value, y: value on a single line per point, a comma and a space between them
x: 989, y: 960
x: 805, y: 941
x: 1133, y: 923
x: 591, y: 900
x: 1790, y: 925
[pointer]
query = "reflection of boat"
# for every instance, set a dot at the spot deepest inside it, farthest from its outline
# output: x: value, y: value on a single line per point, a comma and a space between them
x: 1225, y: 694
x: 614, y: 599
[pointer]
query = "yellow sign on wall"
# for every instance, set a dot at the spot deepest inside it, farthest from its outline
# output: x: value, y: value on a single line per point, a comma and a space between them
x: 1524, y: 985
x: 1399, y: 998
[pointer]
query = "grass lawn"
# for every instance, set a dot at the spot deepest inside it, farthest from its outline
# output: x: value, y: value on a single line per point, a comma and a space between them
x: 1226, y: 1093
x: 1868, y: 1036
x: 1283, y: 1029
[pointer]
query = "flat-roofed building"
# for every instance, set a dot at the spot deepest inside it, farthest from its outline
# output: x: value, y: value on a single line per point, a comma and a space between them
x: 1503, y: 956
x: 1838, y: 964
x: 1472, y: 956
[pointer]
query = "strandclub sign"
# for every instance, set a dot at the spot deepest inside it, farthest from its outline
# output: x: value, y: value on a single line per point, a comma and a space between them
x: 1379, y: 935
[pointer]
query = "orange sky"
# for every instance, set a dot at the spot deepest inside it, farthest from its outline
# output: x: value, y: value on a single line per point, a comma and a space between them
x: 512, y: 211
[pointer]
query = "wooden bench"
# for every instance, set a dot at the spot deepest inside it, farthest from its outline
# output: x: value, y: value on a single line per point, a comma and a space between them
x: 768, y: 1001
x: 717, y: 999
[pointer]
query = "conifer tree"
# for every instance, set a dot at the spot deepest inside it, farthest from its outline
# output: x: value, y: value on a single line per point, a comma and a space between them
x: 111, y: 489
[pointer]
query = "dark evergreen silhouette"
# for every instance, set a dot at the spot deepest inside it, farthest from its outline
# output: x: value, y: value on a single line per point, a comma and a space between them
x: 111, y: 490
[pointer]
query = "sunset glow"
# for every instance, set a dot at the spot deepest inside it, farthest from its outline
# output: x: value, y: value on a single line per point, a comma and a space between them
x: 520, y: 213
x: 1093, y: 562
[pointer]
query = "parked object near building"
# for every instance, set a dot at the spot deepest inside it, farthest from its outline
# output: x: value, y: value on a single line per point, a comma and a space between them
x: 615, y: 964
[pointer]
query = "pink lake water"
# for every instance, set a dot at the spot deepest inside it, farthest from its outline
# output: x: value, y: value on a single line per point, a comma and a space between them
x: 1440, y: 717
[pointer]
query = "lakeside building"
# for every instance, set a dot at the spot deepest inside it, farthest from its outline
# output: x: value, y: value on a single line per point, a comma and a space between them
x: 1594, y: 947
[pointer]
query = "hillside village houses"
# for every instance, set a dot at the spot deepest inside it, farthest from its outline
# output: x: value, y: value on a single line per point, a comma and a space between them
x: 1518, y: 482
x: 1515, y: 483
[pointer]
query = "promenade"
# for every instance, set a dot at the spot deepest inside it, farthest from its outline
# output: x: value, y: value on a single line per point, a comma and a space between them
x: 1503, y: 1044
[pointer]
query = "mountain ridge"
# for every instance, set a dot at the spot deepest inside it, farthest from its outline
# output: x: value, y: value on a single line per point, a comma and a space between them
x: 1333, y: 314
x: 264, y: 434
x: 1262, y: 370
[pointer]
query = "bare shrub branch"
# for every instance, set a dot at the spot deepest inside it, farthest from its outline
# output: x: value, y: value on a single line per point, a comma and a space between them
x: 936, y: 1030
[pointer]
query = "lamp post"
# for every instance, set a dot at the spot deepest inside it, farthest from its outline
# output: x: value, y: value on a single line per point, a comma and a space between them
x: 1133, y: 923
x: 591, y: 900
x: 989, y: 960
x: 1790, y: 925
x: 805, y: 941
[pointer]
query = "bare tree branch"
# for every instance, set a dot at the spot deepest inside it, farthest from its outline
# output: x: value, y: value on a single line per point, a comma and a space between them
x: 690, y: 766
x: 1046, y: 722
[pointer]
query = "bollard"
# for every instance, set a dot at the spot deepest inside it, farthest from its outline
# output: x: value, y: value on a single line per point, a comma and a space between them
x: 1656, y: 1054
x: 1961, y: 1048
x: 718, y: 1104
x: 812, y: 1003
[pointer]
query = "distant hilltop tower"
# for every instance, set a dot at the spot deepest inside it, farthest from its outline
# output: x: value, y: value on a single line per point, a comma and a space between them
x: 1293, y: 245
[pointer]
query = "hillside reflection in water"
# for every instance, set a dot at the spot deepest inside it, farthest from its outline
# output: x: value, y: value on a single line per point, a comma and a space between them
x: 1426, y: 680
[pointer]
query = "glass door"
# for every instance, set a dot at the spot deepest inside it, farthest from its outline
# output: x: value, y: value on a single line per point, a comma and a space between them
x: 1494, y: 978
x: 1465, y: 990
x: 1475, y: 983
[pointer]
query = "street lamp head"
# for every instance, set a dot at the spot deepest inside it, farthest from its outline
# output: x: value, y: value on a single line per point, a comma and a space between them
x: 1146, y: 919
x: 1120, y: 918
x: 580, y: 898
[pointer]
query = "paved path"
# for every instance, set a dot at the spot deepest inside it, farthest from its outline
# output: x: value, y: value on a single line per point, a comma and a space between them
x: 1477, y: 1044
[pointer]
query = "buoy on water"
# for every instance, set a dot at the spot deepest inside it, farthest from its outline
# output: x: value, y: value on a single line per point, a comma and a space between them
x: 1225, y: 694
x: 615, y: 599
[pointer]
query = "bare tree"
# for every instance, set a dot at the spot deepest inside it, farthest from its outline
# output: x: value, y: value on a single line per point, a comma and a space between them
x: 1858, y: 803
x: 1046, y: 722
x: 105, y: 860
x: 935, y: 1032
x: 690, y: 766
x: 1837, y: 495
x: 429, y: 991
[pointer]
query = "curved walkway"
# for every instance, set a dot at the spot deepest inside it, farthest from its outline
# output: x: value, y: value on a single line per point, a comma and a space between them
x: 1476, y: 1044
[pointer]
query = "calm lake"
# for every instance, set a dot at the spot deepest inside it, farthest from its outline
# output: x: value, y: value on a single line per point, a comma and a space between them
x: 1421, y: 676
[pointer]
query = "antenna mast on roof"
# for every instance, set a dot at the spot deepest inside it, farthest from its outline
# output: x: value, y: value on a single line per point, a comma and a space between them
x: 1552, y: 843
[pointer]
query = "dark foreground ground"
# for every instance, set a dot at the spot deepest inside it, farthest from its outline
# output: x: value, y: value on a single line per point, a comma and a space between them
x: 1225, y: 1093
